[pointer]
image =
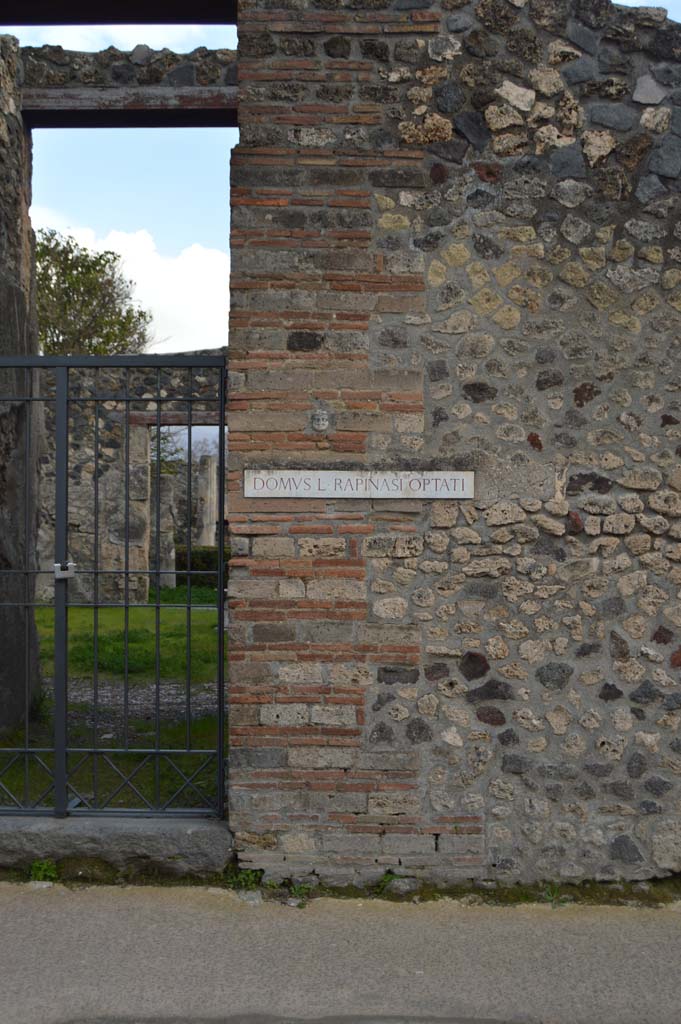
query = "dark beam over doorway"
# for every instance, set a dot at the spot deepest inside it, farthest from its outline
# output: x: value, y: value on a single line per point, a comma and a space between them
x: 131, y: 107
x: 119, y: 12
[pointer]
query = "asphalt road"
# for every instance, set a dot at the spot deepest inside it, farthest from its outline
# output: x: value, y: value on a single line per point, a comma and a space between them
x: 203, y: 956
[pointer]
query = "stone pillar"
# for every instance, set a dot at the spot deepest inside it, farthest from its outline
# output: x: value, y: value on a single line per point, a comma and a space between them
x: 167, y: 539
x: 206, y: 501
x: 19, y: 423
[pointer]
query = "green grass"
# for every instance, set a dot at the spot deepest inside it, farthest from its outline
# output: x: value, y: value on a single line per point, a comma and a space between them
x: 141, y: 662
x: 180, y: 595
x: 157, y: 778
x: 28, y: 779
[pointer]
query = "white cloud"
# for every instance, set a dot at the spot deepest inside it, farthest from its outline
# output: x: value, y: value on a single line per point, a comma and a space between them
x: 180, y: 38
x: 187, y: 294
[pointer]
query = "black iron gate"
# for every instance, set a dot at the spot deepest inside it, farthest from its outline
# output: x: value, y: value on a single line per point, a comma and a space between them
x: 112, y: 665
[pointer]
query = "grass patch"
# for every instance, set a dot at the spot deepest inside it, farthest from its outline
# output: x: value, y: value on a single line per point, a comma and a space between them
x: 97, y: 780
x: 180, y: 595
x: 142, y: 648
x: 44, y: 871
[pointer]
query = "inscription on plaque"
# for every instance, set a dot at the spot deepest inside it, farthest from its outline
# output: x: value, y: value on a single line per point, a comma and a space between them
x: 344, y: 484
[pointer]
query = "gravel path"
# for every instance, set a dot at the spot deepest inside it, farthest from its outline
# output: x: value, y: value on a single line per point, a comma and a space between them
x: 141, y: 702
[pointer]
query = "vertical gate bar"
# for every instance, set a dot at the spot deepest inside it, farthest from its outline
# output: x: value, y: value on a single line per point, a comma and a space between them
x: 157, y: 759
x: 95, y: 610
x: 188, y: 666
x: 221, y: 809
x: 126, y: 566
x: 60, y: 591
x: 28, y: 390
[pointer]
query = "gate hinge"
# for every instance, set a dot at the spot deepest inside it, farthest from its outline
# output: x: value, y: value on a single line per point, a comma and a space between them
x: 64, y: 570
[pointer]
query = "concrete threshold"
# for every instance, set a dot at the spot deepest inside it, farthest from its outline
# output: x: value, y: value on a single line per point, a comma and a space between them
x: 128, y: 847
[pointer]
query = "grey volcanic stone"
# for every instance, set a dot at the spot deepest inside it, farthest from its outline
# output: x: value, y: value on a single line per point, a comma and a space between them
x: 582, y: 37
x: 613, y: 115
x: 650, y: 187
x: 449, y: 98
x: 624, y: 849
x: 646, y: 693
x: 472, y: 126
x: 453, y: 152
x: 459, y: 22
x: 609, y: 691
x: 636, y: 766
x: 568, y: 162
x: 657, y: 786
x: 392, y: 674
x: 667, y: 74
x: 666, y: 158
x: 648, y: 91
x: 418, y: 731
x: 619, y: 648
x: 515, y: 764
x: 132, y: 846
x: 578, y: 71
x: 493, y: 689
x: 473, y: 665
x: 555, y: 675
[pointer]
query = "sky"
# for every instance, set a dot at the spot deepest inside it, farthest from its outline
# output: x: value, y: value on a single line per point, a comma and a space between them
x: 159, y: 197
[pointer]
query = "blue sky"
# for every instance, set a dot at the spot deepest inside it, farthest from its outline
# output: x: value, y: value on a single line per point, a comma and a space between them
x: 160, y: 197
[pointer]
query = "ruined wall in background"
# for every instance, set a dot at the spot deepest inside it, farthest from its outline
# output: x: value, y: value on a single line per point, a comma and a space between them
x: 456, y: 229
x: 53, y: 67
x: 19, y: 424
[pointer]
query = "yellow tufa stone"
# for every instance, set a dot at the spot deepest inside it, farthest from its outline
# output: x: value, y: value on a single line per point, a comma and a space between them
x: 508, y: 317
x: 645, y: 303
x: 485, y: 301
x: 598, y: 146
x: 601, y: 295
x: 393, y: 222
x: 522, y: 233
x: 384, y: 202
x: 457, y: 255
x: 528, y: 298
x: 539, y: 276
x: 671, y: 279
x: 437, y: 274
x: 622, y: 251
x: 559, y: 254
x: 507, y: 273
x: 651, y: 254
x: 435, y: 128
x: 546, y: 80
x: 510, y: 143
x: 625, y: 320
x: 477, y: 274
x: 574, y: 274
x: 674, y: 299
x: 593, y: 256
x: 656, y: 119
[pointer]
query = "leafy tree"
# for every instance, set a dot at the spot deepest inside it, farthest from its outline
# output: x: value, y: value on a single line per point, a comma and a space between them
x: 85, y: 303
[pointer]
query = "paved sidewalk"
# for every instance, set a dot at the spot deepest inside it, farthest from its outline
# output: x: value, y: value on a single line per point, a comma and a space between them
x: 204, y: 956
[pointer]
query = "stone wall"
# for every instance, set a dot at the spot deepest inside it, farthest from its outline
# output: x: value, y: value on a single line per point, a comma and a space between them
x: 110, y: 442
x: 456, y: 229
x: 19, y: 424
x: 55, y: 67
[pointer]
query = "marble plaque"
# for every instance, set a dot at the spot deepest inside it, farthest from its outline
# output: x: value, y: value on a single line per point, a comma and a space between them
x: 344, y: 484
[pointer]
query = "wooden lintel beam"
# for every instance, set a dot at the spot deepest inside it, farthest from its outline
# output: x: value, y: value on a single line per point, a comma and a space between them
x: 119, y: 12
x: 130, y: 107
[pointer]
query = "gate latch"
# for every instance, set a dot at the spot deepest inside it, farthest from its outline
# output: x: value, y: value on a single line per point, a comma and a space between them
x: 64, y: 570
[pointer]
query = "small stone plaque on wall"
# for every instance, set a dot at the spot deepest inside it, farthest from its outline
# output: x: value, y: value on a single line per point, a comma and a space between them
x: 361, y: 483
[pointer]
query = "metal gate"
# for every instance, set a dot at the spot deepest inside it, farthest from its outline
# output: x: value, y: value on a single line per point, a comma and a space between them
x: 112, y: 619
